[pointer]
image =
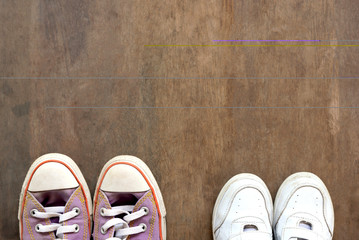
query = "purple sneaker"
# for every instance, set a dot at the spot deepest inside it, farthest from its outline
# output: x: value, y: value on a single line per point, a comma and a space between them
x: 128, y: 203
x: 55, y: 202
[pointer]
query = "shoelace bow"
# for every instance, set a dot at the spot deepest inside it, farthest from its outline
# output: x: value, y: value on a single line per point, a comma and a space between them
x: 121, y: 227
x: 51, y: 212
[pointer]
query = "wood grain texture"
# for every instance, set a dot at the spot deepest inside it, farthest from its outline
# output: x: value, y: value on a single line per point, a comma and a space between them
x: 64, y: 50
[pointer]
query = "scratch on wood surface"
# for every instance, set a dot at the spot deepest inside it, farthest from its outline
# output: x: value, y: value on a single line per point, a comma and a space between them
x: 334, y: 112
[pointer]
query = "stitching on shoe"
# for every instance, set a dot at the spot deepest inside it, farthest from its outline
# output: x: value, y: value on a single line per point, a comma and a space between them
x: 97, y: 221
x: 82, y: 200
x: 97, y: 218
x: 79, y: 194
x: 154, y: 213
x: 72, y: 198
x: 27, y: 220
x: 38, y: 205
x: 101, y: 198
x: 148, y: 195
x: 136, y: 208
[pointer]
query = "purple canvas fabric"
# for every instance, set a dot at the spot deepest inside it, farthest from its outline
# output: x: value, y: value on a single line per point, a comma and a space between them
x: 29, y: 222
x: 151, y: 219
x: 76, y: 200
x: 102, y: 202
x: 120, y: 199
x: 54, y: 197
x: 145, y: 200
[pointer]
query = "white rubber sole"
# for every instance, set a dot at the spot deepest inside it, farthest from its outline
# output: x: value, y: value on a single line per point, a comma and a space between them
x: 147, y: 172
x: 67, y: 161
x: 238, y: 177
x: 289, y: 185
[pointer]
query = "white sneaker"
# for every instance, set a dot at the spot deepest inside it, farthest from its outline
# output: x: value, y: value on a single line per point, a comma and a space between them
x: 303, y: 209
x: 243, y: 210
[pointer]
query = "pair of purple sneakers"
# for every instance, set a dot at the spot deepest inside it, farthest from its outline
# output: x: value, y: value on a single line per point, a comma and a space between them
x: 55, y: 202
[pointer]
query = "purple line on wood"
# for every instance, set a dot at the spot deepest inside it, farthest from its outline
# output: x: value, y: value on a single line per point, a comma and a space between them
x: 266, y: 40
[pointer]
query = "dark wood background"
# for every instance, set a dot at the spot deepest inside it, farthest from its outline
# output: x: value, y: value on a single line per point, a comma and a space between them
x: 92, y: 54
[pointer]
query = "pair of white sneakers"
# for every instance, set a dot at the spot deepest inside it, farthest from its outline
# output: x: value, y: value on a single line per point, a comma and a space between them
x: 302, y: 210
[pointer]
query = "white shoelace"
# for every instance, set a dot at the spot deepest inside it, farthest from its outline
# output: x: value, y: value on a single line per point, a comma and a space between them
x: 51, y: 212
x: 121, y: 227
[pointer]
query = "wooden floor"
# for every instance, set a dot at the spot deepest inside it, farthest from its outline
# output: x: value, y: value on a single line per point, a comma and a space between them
x: 197, y: 115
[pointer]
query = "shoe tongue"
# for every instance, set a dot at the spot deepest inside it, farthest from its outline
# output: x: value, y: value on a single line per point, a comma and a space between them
x: 53, y: 198
x: 121, y: 199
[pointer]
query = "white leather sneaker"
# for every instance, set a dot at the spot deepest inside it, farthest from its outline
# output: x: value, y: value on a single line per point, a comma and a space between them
x: 243, y: 210
x: 303, y: 209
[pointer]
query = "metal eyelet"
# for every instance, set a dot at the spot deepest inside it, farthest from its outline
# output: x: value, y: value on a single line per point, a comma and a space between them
x: 77, y: 228
x: 103, y: 231
x: 146, y: 210
x: 37, y: 227
x: 102, y: 212
x: 143, y: 226
x: 77, y: 210
x: 33, y: 212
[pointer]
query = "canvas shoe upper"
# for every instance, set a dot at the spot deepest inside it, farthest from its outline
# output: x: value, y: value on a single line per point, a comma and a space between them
x: 243, y: 210
x: 55, y: 202
x: 128, y: 203
x: 303, y: 209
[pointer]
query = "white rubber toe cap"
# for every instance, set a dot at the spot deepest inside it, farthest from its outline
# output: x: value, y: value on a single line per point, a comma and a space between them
x: 52, y: 176
x: 243, y: 201
x: 124, y: 178
x: 53, y: 171
x: 303, y: 197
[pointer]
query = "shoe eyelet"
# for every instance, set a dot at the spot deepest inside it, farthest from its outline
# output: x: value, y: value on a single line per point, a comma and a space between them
x: 146, y: 210
x: 103, y: 231
x: 37, y: 227
x: 102, y: 212
x: 143, y: 226
x: 77, y: 210
x: 77, y: 228
x: 33, y: 212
